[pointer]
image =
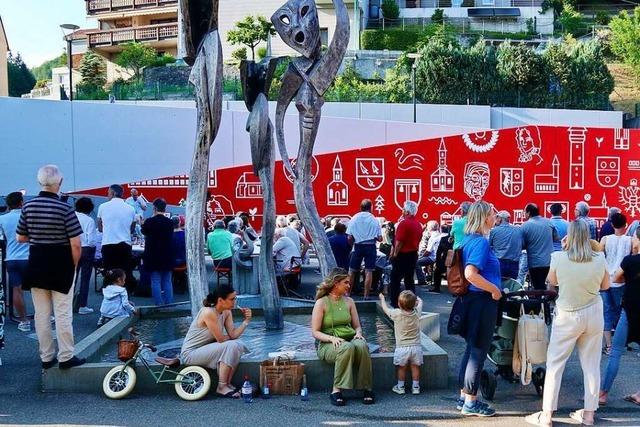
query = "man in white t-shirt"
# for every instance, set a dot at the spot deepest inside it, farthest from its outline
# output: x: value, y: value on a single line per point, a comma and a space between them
x: 283, y: 250
x: 116, y: 220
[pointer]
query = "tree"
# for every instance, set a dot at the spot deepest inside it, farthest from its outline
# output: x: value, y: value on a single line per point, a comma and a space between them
x: 135, y: 56
x: 522, y: 72
x: 250, y: 32
x: 390, y: 9
x: 21, y: 80
x: 92, y: 68
x: 43, y: 71
x: 572, y: 21
x: 625, y: 36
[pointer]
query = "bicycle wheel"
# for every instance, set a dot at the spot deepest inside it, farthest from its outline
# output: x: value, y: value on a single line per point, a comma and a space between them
x: 119, y: 382
x: 195, y: 383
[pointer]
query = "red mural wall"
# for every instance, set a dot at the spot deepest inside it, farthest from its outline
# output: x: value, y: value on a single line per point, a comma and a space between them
x: 508, y: 168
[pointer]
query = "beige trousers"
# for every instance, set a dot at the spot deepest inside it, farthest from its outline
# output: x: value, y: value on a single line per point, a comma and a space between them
x: 581, y: 328
x: 62, y: 304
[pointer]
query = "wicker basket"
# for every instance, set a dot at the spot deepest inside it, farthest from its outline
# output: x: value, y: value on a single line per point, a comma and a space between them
x: 127, y: 349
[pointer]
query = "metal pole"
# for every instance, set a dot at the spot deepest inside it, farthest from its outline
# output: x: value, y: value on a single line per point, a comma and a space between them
x: 413, y: 85
x: 70, y: 64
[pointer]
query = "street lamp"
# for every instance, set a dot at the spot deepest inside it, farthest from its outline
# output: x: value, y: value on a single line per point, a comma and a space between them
x: 68, y: 39
x: 415, y: 57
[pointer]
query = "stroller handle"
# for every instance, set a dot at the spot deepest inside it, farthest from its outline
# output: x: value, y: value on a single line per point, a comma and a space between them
x: 550, y: 295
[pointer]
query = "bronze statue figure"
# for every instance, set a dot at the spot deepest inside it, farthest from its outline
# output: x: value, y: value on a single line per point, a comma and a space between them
x: 307, y: 79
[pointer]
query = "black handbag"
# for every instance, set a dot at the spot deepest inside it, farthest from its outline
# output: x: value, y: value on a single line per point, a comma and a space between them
x: 455, y: 326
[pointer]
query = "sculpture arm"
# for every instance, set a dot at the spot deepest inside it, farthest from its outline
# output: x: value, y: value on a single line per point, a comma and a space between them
x: 291, y: 82
x: 326, y: 69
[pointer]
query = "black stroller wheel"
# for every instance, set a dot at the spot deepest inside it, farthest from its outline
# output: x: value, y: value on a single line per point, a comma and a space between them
x: 538, y: 380
x: 488, y: 384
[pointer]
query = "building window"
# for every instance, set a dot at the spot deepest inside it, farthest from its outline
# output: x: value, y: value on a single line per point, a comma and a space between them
x: 163, y: 21
x: 488, y: 2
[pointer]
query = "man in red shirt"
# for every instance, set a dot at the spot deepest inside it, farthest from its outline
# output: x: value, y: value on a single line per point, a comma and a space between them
x: 405, y: 252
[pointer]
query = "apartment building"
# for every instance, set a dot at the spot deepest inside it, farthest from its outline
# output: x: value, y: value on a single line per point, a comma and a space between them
x: 4, y: 72
x: 489, y: 15
x: 121, y: 21
x: 156, y: 22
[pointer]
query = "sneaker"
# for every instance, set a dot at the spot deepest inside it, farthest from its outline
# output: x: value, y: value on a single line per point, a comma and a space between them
x: 74, y: 361
x: 85, y: 310
x: 459, y: 403
x: 415, y: 390
x: 397, y: 389
x: 24, y: 326
x: 478, y: 409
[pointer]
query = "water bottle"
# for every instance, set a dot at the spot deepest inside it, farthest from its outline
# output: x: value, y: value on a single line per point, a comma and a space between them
x: 266, y: 389
x: 247, y: 390
x: 304, y: 393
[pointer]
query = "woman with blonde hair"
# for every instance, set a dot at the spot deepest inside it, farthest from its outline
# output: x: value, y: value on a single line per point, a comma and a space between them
x: 336, y: 326
x: 580, y: 274
x: 479, y: 307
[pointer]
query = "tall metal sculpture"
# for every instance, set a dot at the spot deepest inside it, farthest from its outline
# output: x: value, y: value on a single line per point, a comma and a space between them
x: 256, y: 81
x: 200, y: 47
x: 307, y: 79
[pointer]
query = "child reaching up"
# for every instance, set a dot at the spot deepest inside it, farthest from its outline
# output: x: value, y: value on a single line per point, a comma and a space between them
x: 406, y: 327
x: 116, y: 300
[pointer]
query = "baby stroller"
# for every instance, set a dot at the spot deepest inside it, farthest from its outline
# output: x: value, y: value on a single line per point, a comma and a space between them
x: 501, y: 350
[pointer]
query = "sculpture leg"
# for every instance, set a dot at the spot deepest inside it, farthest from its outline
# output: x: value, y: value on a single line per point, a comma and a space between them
x: 303, y: 189
x: 206, y: 76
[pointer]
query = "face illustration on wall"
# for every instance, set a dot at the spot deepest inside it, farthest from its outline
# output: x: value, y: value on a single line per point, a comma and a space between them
x: 529, y: 144
x: 476, y: 179
x: 298, y: 25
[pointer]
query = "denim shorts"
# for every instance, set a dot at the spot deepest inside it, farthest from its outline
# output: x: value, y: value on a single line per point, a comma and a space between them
x: 16, y: 271
x: 612, y: 299
x: 360, y: 252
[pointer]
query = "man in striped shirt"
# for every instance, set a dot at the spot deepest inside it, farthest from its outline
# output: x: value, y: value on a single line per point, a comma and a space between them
x: 53, y: 232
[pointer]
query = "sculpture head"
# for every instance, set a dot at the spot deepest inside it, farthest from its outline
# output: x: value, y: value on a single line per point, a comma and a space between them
x: 298, y: 25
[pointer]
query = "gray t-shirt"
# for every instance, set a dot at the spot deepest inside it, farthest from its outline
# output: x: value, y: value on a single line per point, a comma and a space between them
x: 537, y: 236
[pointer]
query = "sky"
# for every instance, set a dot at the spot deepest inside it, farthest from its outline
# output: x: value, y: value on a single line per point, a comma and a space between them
x: 33, y: 26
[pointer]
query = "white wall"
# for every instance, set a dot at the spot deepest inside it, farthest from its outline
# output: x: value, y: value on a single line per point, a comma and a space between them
x: 97, y: 143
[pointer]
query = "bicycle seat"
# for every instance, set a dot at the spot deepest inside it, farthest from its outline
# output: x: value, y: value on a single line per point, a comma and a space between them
x: 171, y: 363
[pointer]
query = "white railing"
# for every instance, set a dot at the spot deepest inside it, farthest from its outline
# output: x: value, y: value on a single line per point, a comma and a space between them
x: 138, y: 34
x: 417, y: 4
x: 98, y: 6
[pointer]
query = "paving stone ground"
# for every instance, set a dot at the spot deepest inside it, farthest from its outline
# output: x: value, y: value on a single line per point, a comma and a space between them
x: 22, y: 402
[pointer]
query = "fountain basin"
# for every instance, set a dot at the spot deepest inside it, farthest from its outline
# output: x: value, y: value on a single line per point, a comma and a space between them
x: 166, y: 326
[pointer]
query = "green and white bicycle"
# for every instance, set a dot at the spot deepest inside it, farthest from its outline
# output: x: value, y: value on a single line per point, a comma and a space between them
x: 191, y: 382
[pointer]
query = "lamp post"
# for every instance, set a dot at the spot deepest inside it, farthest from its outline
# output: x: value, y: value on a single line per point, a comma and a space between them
x: 415, y: 57
x: 68, y: 39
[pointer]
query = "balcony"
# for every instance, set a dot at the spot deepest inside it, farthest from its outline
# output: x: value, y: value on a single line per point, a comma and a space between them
x: 148, y: 33
x: 427, y: 4
x: 95, y: 7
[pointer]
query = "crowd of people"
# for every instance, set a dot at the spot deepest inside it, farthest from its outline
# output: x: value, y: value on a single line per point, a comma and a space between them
x: 52, y: 249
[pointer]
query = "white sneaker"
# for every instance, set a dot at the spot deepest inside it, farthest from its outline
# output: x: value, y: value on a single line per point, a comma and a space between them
x: 397, y: 390
x: 85, y: 310
x: 24, y: 326
x: 415, y: 390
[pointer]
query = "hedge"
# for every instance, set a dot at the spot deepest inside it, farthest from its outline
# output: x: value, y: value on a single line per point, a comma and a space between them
x: 388, y: 39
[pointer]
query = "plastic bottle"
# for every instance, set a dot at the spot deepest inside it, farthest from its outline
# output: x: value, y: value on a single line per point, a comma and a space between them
x: 304, y: 393
x: 266, y: 389
x: 247, y: 390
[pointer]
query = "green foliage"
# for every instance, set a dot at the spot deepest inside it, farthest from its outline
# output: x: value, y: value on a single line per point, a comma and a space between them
x: 43, y: 71
x: 135, y: 56
x: 350, y: 87
x: 438, y: 16
x: 276, y: 83
x: 390, y: 9
x: 41, y: 84
x: 571, y: 20
x: 556, y: 5
x: 239, y: 54
x: 625, y: 36
x: 251, y: 31
x: 602, y: 18
x: 389, y: 39
x: 93, y: 70
x: 531, y: 26
x: 90, y: 92
x: 162, y: 60
x: 262, y: 53
x: 21, y: 80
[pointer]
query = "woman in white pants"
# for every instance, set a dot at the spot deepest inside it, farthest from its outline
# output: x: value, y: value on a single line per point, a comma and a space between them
x: 579, y: 273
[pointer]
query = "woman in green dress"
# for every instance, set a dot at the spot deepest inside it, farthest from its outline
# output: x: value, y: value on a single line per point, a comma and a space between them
x: 336, y: 326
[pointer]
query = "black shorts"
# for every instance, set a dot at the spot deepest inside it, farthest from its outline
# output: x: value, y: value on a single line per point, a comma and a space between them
x: 16, y: 271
